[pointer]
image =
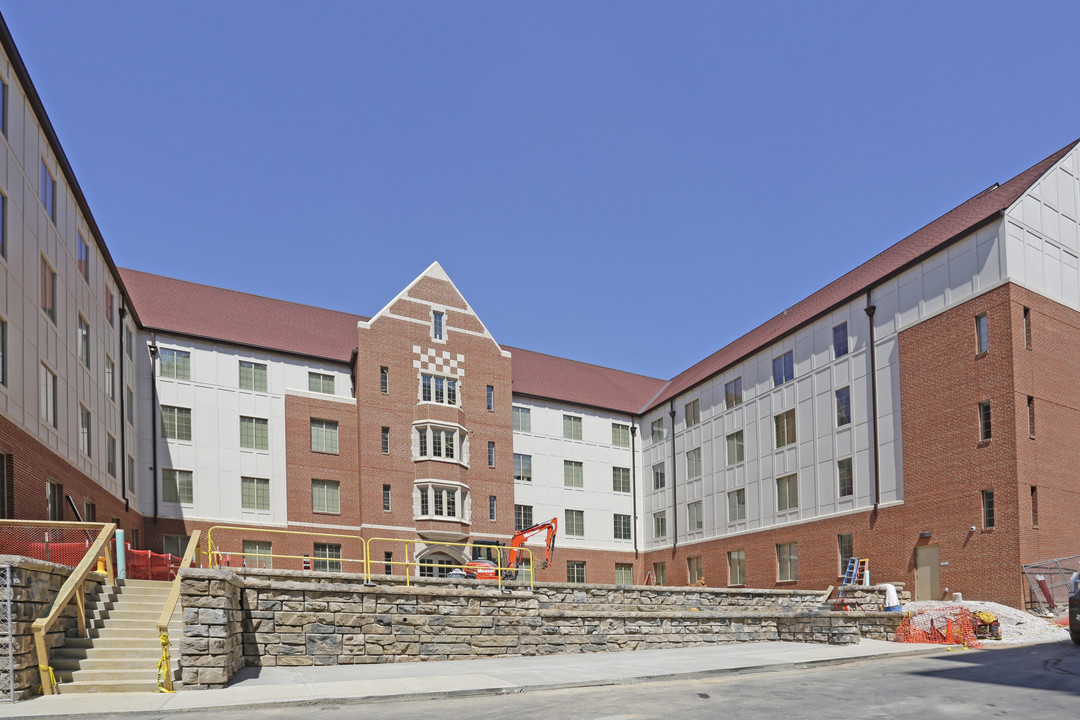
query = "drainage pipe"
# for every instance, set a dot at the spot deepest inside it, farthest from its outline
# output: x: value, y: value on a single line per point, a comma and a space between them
x: 633, y: 481
x: 674, y: 495
x: 123, y: 412
x: 153, y: 348
x: 870, y: 309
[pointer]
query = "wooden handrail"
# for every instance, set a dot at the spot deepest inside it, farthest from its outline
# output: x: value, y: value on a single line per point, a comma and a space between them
x: 170, y: 608
x: 73, y: 586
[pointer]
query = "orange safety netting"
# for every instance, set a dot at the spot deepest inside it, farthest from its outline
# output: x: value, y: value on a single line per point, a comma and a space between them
x: 946, y: 625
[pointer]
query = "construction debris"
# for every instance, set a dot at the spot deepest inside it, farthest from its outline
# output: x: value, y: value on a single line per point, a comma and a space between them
x: 1017, y: 626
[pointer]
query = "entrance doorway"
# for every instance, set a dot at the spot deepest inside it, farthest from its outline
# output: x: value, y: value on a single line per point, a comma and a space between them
x: 928, y: 572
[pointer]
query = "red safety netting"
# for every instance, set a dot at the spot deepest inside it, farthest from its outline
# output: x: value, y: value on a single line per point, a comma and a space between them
x: 945, y: 625
x: 65, y: 546
x: 147, y: 565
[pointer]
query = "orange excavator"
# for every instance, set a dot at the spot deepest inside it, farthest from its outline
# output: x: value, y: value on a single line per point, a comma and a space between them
x: 489, y: 556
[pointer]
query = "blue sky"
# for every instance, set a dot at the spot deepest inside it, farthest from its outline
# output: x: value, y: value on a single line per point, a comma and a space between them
x: 628, y: 184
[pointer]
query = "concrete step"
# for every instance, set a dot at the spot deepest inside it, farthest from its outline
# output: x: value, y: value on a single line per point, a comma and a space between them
x: 147, y: 673
x: 116, y: 642
x: 100, y: 653
x: 125, y: 663
x: 110, y: 686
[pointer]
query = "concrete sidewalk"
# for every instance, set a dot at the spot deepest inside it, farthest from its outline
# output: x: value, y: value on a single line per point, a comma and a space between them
x: 419, y: 680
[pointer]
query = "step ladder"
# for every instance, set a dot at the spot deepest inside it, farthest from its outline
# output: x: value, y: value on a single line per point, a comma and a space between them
x: 855, y: 574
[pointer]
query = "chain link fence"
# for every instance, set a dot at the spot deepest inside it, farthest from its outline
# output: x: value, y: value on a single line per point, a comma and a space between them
x: 1049, y: 582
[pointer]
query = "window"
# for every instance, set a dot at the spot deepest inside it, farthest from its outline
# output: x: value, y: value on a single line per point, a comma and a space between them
x: 48, y: 289
x: 522, y: 419
x: 787, y: 559
x: 733, y: 393
x: 693, y: 569
x: 48, y: 397
x: 384, y: 440
x: 110, y: 378
x: 388, y: 562
x: 571, y: 427
x: 840, y: 340
x: 658, y: 476
x: 573, y: 474
x: 384, y: 380
x: 845, y: 545
x: 254, y: 493
x: 522, y: 468
x: 3, y: 107
x: 443, y: 501
x: 783, y: 369
x: 129, y: 341
x: 324, y: 436
x: 438, y: 389
x: 318, y: 382
x: 252, y: 376
x: 575, y: 523
x: 48, y: 192
x: 620, y: 435
x: 620, y: 479
x: 438, y: 442
x: 110, y: 307
x: 523, y: 517
x: 1034, y: 504
x: 326, y: 496
x: 988, y: 508
x: 54, y: 499
x: 490, y: 397
x: 83, y: 256
x: 176, y: 364
x: 785, y: 428
x: 736, y: 505
x: 1031, y: 416
x: 660, y: 573
x: 437, y: 330
x: 386, y: 498
x: 843, y: 406
x: 491, y: 508
x: 3, y: 353
x: 787, y: 493
x: 257, y: 554
x: 435, y: 567
x: 110, y: 456
x: 735, y: 448
x: 491, y: 454
x: 174, y: 544
x: 693, y: 413
x: 130, y: 405
x: 693, y: 463
x: 1027, y: 323
x: 736, y: 562
x: 85, y: 443
x: 254, y: 433
x: 327, y: 557
x: 982, y: 334
x: 659, y: 520
x: 622, y: 527
x: 176, y: 423
x: 624, y: 573
x: 694, y: 516
x: 575, y: 571
x: 131, y: 473
x: 984, y: 420
x: 658, y: 430
x: 84, y: 341
x: 3, y: 226
x: 846, y: 476
x: 177, y: 486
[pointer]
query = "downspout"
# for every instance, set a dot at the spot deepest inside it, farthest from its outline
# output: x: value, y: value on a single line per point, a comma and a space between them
x: 674, y: 499
x: 154, y: 412
x: 633, y: 481
x: 123, y: 413
x: 870, y: 309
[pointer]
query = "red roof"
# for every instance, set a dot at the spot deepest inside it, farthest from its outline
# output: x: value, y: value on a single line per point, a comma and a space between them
x: 933, y: 237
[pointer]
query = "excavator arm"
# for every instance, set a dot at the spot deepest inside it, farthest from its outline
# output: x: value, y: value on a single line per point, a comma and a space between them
x: 515, y: 555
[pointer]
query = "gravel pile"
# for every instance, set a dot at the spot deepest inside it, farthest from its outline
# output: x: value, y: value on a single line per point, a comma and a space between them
x: 1017, y: 626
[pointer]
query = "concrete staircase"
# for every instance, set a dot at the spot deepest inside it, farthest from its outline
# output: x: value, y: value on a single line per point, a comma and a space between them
x: 123, y: 650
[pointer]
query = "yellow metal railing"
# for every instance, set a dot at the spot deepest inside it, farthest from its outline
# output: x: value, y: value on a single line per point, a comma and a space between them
x: 215, y: 553
x: 500, y: 569
x: 165, y: 679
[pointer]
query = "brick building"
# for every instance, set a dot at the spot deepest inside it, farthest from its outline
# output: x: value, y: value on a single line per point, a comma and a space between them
x: 916, y: 411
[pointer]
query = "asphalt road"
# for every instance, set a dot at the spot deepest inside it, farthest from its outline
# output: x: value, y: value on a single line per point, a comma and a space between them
x: 1037, y: 681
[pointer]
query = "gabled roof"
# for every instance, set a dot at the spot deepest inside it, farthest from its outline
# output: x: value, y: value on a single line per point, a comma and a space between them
x: 211, y: 313
x: 951, y: 226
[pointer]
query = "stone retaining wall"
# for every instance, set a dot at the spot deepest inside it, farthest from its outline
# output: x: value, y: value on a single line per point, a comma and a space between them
x: 871, y: 598
x: 211, y: 650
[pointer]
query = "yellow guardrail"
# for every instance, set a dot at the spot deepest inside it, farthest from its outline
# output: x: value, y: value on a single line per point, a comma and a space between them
x: 500, y: 569
x: 215, y: 553
x: 165, y: 680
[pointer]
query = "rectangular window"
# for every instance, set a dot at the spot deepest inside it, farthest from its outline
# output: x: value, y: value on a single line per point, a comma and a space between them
x: 620, y: 479
x: 424, y: 510
x: 733, y: 393
x: 110, y: 307
x: 438, y: 389
x: 491, y: 454
x: 327, y: 557
x: 437, y: 330
x: 54, y: 499
x: 840, y: 340
x: 3, y: 107
x: 257, y: 554
x: 386, y: 498
x: 326, y: 496
x: 1027, y: 328
x: 83, y: 256
x: 658, y: 430
x: 84, y: 341
x: 845, y: 545
x: 694, y: 516
x: 736, y: 505
x: 988, y: 508
x: 491, y: 508
x: 490, y: 397
x: 3, y: 352
x: 736, y: 561
x: 1034, y: 505
x: 659, y: 520
x: 843, y: 406
x: 48, y: 289
x: 620, y: 435
x: 1031, y: 416
x: 320, y: 383
x: 48, y: 397
x: 783, y: 368
x: 573, y: 474
x: 129, y: 341
x: 522, y: 419
x: 253, y: 376
x: 846, y: 477
x: 735, y: 448
x: 254, y: 433
x: 575, y: 571
x: 693, y: 569
x: 254, y: 493
x: 693, y: 464
x: 984, y: 420
x: 785, y: 428
x: 982, y: 333
x: 624, y: 573
x: 622, y: 527
x: 85, y: 443
x: 110, y: 456
x: 3, y: 226
x: 388, y: 562
x: 176, y: 364
x: 48, y: 192
x: 575, y: 523
x: 384, y: 380
x: 131, y: 473
x: 658, y: 481
x: 324, y: 436
x: 176, y: 423
x: 177, y: 486
x: 522, y: 468
x: 571, y: 427
x: 660, y: 573
x: 693, y: 413
x: 384, y: 440
x: 129, y: 396
x: 174, y: 545
x: 523, y: 517
x: 787, y: 560
x: 110, y: 378
x: 787, y: 493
